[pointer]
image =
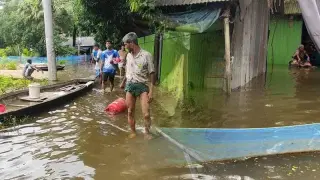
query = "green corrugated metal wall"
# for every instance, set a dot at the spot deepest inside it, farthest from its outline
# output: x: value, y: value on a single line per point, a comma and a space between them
x: 206, y: 60
x: 174, y: 62
x: 196, y: 57
x: 286, y: 39
x: 147, y: 43
x: 190, y: 62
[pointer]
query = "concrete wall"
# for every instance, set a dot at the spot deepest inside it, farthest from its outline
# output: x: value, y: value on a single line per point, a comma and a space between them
x: 249, y: 41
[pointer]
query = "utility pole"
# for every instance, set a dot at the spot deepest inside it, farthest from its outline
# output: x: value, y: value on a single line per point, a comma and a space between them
x: 227, y: 56
x: 52, y: 68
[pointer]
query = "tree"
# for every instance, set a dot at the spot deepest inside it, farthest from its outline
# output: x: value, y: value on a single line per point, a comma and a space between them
x: 22, y: 24
x: 104, y: 19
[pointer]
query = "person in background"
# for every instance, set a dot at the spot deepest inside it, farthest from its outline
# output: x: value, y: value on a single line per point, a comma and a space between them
x: 301, y: 57
x: 108, y: 67
x: 29, y: 69
x: 139, y: 69
x: 96, y: 55
x: 123, y: 54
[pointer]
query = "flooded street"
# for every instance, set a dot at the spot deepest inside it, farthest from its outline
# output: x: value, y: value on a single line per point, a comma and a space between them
x: 79, y: 141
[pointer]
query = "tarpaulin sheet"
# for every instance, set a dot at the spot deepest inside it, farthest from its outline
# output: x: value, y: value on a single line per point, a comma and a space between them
x: 215, y: 144
x: 311, y: 14
x: 197, y: 21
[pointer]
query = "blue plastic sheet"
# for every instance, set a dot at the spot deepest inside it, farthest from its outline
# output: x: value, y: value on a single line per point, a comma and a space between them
x: 68, y: 59
x: 204, y: 144
x: 197, y: 21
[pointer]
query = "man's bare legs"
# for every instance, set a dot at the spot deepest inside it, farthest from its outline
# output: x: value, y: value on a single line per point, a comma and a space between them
x: 131, y: 102
x: 111, y: 83
x: 144, y: 99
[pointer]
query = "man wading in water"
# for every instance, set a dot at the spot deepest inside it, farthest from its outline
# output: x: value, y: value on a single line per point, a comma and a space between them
x: 108, y: 67
x: 138, y: 68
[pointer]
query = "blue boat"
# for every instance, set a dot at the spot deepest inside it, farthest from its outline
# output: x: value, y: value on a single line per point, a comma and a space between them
x: 210, y: 144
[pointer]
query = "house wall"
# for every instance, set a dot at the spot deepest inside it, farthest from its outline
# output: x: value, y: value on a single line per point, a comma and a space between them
x: 249, y: 42
x: 192, y: 62
x: 284, y: 39
x: 147, y: 43
x: 175, y: 53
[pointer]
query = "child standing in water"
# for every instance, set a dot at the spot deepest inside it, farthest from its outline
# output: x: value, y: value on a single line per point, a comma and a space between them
x: 123, y: 55
x: 96, y: 55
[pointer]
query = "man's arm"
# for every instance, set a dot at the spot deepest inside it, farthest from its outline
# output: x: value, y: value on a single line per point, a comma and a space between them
x: 297, y: 55
x: 152, y: 76
x: 152, y: 82
x: 123, y: 83
x: 102, y: 62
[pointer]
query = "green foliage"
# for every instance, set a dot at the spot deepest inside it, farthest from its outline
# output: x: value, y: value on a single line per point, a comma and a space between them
x: 10, y: 84
x: 62, y: 62
x: 12, y: 51
x: 8, y: 65
x: 3, y: 53
x: 11, y: 66
x: 22, y: 24
x: 104, y: 19
x: 28, y: 53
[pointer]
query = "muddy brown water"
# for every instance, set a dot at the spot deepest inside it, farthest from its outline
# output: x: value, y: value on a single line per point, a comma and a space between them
x: 79, y: 141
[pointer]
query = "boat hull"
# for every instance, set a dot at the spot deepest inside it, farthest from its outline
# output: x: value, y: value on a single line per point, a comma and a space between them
x: 45, y: 68
x: 228, y: 144
x: 45, y: 105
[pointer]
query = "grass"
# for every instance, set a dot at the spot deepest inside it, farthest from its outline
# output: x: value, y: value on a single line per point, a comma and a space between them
x: 8, y: 65
x: 11, y: 84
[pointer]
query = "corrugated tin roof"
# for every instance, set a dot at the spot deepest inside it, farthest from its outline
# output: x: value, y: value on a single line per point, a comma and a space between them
x: 291, y: 7
x: 184, y: 2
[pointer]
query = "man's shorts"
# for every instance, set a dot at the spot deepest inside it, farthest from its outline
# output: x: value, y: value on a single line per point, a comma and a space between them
x: 108, y: 75
x: 136, y: 89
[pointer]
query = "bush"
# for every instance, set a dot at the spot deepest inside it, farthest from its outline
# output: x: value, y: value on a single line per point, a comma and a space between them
x: 28, y: 53
x: 12, y: 51
x: 10, y: 84
x: 62, y: 62
x: 3, y: 53
x: 11, y: 66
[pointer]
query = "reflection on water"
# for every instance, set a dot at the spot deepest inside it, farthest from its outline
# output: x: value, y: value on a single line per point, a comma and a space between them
x: 78, y: 139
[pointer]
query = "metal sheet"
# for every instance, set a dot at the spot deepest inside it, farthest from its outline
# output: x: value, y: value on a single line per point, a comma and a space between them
x: 207, y: 144
x: 184, y: 2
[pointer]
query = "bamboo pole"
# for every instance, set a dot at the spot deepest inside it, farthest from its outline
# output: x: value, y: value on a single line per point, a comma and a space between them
x: 52, y: 70
x: 227, y: 55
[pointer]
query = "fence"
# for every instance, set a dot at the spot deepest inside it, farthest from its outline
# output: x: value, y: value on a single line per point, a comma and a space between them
x: 68, y: 59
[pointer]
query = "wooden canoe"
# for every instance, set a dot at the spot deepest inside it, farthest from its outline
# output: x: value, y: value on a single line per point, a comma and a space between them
x: 45, y: 67
x: 19, y: 105
x: 206, y: 144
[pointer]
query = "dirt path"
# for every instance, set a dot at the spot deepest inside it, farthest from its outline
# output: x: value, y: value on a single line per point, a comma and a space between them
x: 18, y: 74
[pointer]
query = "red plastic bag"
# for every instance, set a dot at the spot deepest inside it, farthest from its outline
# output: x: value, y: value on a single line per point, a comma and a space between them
x: 2, y: 108
x: 116, y: 106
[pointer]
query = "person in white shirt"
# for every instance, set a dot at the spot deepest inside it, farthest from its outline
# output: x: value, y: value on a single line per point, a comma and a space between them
x: 96, y: 55
x: 29, y: 69
x: 139, y: 68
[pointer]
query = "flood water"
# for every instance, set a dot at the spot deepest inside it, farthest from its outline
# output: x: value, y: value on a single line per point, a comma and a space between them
x: 79, y: 141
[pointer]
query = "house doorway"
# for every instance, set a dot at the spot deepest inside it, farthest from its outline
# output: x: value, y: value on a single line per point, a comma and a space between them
x: 310, y: 46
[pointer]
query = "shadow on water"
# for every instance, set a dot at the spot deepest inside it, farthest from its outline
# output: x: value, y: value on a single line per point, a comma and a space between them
x: 78, y: 139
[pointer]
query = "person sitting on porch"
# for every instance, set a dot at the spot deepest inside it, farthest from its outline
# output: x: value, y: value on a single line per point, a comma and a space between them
x: 28, y: 70
x: 301, y: 58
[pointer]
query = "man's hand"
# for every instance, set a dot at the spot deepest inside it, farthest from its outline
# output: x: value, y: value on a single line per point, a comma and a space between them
x: 150, y: 97
x: 122, y: 85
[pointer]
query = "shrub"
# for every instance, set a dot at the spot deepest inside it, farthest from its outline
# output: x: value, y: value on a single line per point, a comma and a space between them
x: 28, y: 53
x: 3, y: 53
x: 11, y: 66
x: 62, y: 62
